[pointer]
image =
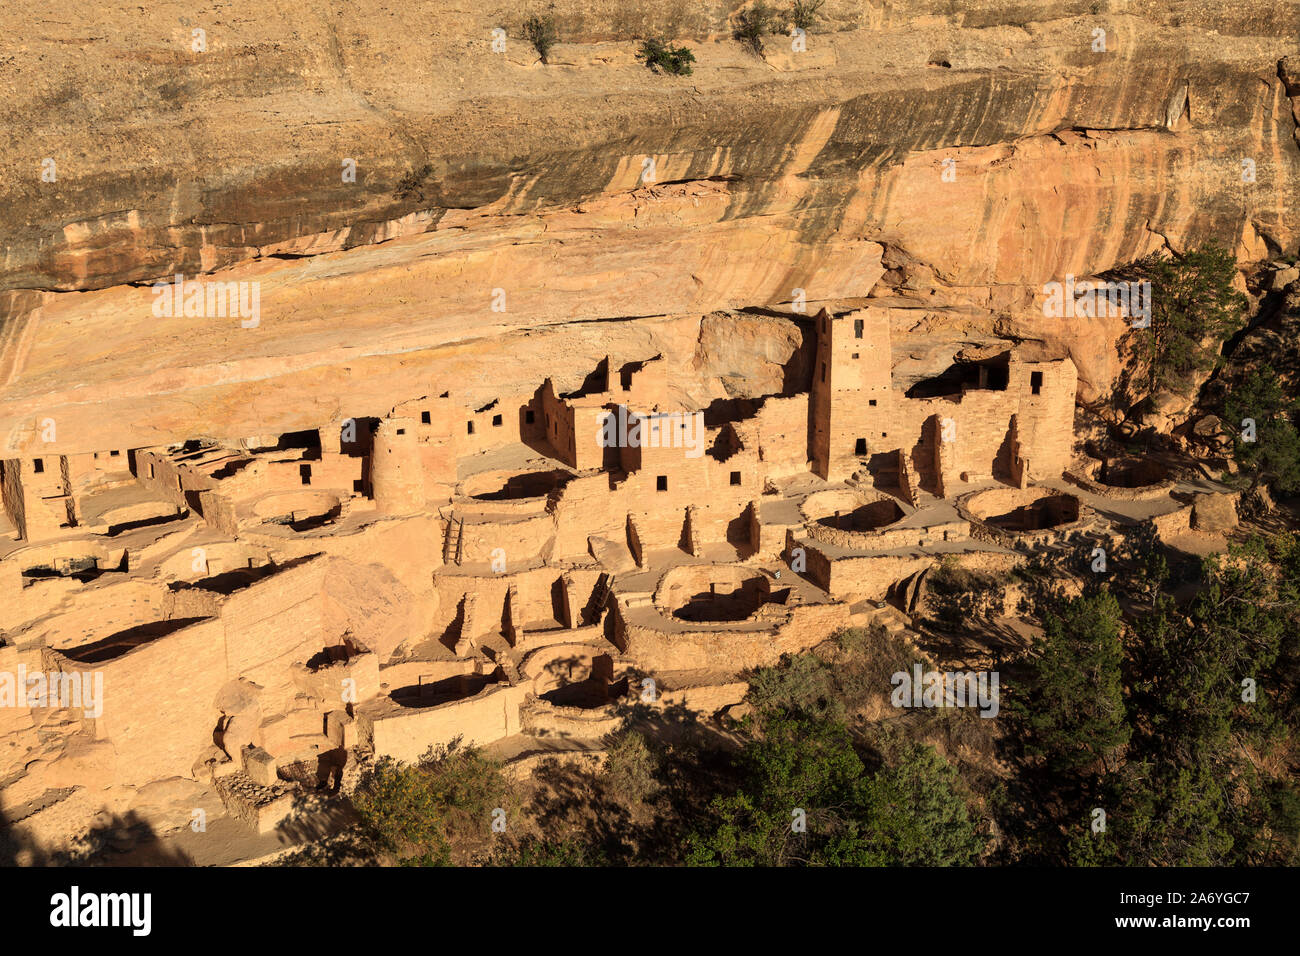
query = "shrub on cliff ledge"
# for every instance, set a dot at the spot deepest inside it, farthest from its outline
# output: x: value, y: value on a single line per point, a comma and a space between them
x: 541, y: 33
x: 1273, y: 453
x: 630, y: 768
x: 806, y: 798
x: 658, y: 55
x: 419, y: 815
x: 411, y: 185
x: 751, y: 26
x: 804, y: 13
x: 1194, y: 309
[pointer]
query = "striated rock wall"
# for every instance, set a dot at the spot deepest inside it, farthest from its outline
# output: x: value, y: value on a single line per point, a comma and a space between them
x: 817, y: 174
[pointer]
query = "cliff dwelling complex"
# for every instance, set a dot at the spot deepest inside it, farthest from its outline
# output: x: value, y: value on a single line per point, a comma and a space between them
x: 258, y: 612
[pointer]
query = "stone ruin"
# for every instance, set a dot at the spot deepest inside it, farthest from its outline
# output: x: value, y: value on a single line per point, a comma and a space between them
x: 264, y: 615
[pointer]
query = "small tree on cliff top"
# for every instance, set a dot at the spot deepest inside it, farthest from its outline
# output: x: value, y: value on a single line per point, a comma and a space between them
x: 541, y: 33
x: 752, y: 25
x: 1194, y: 309
x: 658, y: 55
x: 1272, y: 453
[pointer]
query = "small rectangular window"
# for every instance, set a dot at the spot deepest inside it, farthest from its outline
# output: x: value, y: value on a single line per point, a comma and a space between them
x: 735, y: 477
x: 528, y: 416
x: 871, y: 402
x: 304, y: 473
x: 469, y: 428
x: 38, y: 466
x: 857, y: 329
x: 855, y: 354
x: 426, y: 418
x: 114, y: 454
x: 860, y: 447
x: 496, y: 421
x: 661, y: 483
x: 1036, y: 382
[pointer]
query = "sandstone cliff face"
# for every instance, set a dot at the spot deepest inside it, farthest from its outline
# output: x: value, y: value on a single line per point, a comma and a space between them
x: 816, y: 176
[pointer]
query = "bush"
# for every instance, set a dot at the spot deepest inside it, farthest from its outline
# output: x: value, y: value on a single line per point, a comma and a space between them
x: 1274, y: 456
x: 801, y: 684
x: 911, y: 811
x: 804, y: 13
x: 659, y: 56
x: 753, y: 24
x: 630, y: 767
x: 416, y: 813
x: 536, y: 851
x: 1194, y: 308
x: 401, y: 816
x: 411, y: 185
x: 541, y: 33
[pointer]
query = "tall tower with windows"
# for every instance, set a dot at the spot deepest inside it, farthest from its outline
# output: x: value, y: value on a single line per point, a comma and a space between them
x: 851, y: 396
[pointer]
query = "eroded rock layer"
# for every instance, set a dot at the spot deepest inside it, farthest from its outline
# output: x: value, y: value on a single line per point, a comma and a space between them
x: 821, y: 171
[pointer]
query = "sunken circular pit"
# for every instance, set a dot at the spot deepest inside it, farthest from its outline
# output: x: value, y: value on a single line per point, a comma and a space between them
x: 713, y: 593
x: 1127, y: 479
x: 852, y: 519
x: 1027, y: 512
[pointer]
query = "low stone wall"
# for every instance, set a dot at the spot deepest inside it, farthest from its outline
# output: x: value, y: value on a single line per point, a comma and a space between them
x: 888, y: 539
x: 540, y: 718
x: 734, y: 650
x: 1215, y: 512
x: 705, y: 699
x: 260, y: 808
x: 987, y: 533
x: 405, y: 733
x: 405, y: 673
x: 1172, y: 524
x: 870, y: 578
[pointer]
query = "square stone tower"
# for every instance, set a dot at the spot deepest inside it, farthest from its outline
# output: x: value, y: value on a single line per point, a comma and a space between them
x: 851, y: 402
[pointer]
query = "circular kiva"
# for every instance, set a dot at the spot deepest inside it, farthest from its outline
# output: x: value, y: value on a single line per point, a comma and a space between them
x: 713, y: 592
x: 1130, y: 479
x: 1025, y: 510
x: 850, y: 519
